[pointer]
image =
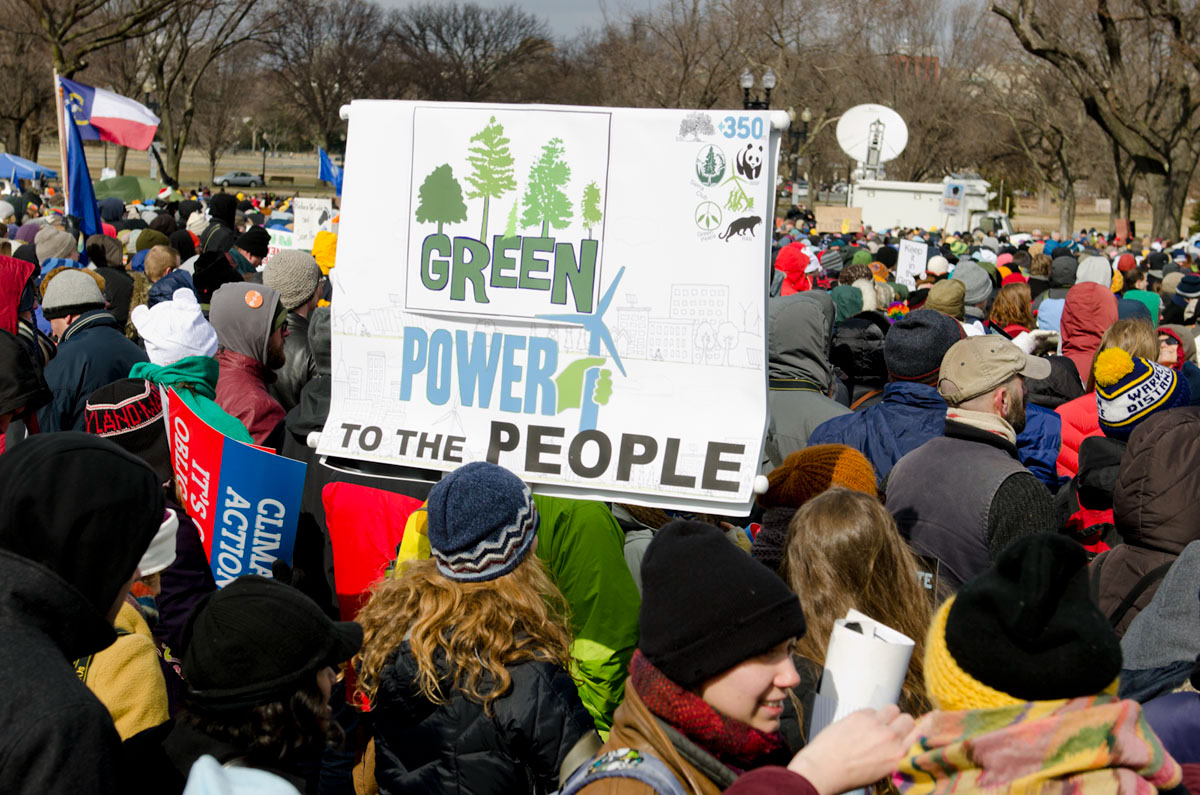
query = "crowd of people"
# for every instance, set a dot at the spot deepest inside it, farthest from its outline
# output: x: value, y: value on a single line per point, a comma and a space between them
x: 997, y: 461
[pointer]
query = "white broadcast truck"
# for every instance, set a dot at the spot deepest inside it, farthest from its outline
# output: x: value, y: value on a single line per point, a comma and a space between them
x: 952, y: 205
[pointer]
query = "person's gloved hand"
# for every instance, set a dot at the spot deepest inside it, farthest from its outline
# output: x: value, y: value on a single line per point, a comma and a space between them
x: 1036, y: 340
x: 856, y: 751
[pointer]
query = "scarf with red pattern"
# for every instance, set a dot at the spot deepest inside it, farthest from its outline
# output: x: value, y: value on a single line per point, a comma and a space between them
x: 736, y: 744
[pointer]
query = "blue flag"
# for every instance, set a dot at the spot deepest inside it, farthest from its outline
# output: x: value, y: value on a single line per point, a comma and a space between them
x: 81, y: 198
x: 329, y: 172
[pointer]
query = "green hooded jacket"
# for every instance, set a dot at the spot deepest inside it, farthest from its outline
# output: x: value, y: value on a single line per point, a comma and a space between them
x: 194, y: 379
x: 584, y: 548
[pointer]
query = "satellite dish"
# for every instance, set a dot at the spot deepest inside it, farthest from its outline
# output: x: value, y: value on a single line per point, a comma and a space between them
x: 865, y: 130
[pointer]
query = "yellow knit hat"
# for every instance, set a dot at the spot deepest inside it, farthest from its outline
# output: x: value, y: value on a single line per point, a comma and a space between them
x: 324, y: 251
x: 949, y: 687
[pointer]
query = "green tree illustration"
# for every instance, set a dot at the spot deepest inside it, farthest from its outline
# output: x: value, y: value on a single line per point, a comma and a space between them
x: 492, y: 162
x: 710, y: 163
x: 441, y: 199
x: 544, y: 199
x: 589, y: 207
x: 510, y: 229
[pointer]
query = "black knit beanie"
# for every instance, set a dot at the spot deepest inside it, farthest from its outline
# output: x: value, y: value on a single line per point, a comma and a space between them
x: 707, y: 605
x: 257, y: 640
x: 1027, y: 627
x: 254, y: 240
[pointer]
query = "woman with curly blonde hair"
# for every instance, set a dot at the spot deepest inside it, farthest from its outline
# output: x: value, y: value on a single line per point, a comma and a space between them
x: 465, y: 656
x: 844, y: 551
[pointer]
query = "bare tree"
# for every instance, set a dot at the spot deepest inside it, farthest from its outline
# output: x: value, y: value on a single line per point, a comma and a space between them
x: 1135, y: 65
x: 460, y: 51
x: 682, y: 54
x: 1050, y: 129
x: 199, y: 33
x: 26, y: 93
x: 217, y: 120
x: 74, y: 29
x: 321, y: 55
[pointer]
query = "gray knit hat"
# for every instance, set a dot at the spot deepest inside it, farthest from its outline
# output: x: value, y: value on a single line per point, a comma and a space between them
x: 71, y: 293
x: 52, y: 243
x: 294, y: 274
x: 976, y: 280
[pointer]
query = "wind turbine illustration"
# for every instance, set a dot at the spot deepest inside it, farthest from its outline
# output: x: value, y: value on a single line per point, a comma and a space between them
x: 594, y: 323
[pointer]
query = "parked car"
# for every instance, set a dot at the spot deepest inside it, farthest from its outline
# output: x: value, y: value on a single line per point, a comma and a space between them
x: 242, y: 179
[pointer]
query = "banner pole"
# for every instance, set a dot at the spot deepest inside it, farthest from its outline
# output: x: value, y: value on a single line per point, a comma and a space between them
x: 62, y: 142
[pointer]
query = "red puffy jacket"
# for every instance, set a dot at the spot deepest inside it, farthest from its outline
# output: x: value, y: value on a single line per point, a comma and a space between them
x: 1080, y: 419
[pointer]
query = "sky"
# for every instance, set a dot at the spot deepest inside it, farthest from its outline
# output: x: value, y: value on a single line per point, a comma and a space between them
x: 565, y: 17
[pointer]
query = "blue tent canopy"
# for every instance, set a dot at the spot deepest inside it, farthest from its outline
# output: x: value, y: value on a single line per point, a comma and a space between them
x: 14, y: 167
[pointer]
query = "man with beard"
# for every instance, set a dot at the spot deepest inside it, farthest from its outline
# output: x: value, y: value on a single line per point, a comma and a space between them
x: 962, y: 498
x: 251, y: 324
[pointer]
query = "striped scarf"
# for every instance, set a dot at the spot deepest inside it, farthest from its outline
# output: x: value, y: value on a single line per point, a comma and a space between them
x: 1096, y: 744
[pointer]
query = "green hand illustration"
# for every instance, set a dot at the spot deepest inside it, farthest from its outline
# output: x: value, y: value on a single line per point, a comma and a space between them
x: 604, y: 388
x: 569, y: 382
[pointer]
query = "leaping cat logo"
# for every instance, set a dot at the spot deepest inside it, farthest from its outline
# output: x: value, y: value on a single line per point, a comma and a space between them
x: 741, y: 226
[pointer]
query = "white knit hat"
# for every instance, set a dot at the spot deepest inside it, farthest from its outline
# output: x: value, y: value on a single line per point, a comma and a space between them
x: 197, y: 222
x: 937, y: 265
x: 161, y: 552
x: 175, y: 329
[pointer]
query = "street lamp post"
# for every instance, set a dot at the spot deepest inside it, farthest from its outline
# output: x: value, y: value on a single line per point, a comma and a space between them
x: 799, y: 137
x: 746, y: 81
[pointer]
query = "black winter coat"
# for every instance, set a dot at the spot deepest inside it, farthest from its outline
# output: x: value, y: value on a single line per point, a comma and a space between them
x: 421, y: 747
x: 299, y: 368
x: 94, y: 352
x: 55, y: 736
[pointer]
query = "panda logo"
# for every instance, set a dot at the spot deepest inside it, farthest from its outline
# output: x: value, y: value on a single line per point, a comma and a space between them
x: 749, y: 162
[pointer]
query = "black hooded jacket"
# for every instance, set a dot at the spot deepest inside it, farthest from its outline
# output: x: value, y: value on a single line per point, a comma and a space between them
x: 220, y: 233
x: 858, y: 353
x: 1061, y: 386
x: 76, y: 516
x: 23, y: 390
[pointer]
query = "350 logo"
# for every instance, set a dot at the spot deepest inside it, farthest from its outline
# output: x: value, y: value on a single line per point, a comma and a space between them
x: 741, y: 127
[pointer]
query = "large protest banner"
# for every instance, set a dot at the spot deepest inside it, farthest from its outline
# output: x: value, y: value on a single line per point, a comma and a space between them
x: 244, y: 500
x: 577, y: 294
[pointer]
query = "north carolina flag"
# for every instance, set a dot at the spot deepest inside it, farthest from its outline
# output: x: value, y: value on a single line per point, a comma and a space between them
x: 104, y: 116
x: 81, y: 197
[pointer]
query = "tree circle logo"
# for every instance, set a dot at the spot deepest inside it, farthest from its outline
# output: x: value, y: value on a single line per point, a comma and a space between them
x: 710, y: 165
x: 708, y: 216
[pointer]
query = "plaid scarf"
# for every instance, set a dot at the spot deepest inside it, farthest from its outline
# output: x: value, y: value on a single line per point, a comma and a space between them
x: 1090, y: 744
x: 735, y: 744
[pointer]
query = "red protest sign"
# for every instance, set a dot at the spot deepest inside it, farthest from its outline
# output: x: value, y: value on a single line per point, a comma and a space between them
x: 196, y: 459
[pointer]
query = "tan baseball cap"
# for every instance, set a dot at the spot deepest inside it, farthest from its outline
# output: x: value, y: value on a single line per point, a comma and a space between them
x: 980, y: 364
